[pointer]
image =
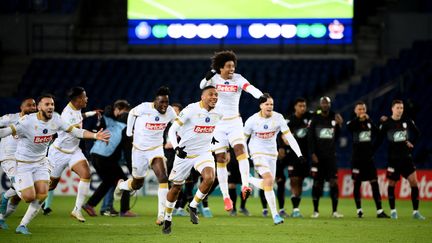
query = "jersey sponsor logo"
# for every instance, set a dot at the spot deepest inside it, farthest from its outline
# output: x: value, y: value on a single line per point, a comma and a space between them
x: 326, y: 133
x: 265, y: 135
x: 204, y: 129
x: 155, y: 126
x: 301, y: 133
x: 226, y: 88
x: 42, y: 139
x: 399, y: 136
x: 365, y: 136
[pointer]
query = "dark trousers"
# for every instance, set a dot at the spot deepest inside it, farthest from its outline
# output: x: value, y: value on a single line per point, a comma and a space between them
x: 109, y: 172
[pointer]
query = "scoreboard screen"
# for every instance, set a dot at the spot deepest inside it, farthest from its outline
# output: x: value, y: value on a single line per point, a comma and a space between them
x: 194, y: 22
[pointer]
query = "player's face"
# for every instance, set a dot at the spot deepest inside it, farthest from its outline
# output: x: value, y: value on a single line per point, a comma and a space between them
x: 28, y: 106
x: 228, y: 69
x: 360, y: 110
x: 210, y: 97
x: 82, y: 100
x: 325, y: 106
x: 397, y: 110
x: 267, y: 107
x: 300, y: 108
x: 161, y: 103
x: 46, y: 107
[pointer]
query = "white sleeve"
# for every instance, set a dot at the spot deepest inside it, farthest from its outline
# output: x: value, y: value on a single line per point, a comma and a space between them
x: 172, y: 134
x: 5, y: 121
x: 77, y: 132
x: 256, y: 93
x: 248, y: 127
x: 204, y: 83
x: 4, y: 132
x: 289, y: 137
x: 130, y: 123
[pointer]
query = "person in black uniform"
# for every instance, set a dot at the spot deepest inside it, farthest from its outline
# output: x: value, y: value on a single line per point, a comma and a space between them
x: 322, y: 137
x: 401, y: 133
x: 363, y: 169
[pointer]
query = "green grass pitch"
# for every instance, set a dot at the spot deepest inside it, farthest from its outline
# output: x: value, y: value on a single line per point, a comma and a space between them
x: 59, y: 227
x: 219, y: 9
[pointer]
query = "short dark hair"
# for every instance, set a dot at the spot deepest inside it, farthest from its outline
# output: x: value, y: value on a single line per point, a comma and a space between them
x: 26, y: 98
x: 264, y: 98
x: 394, y: 102
x: 121, y: 105
x: 178, y: 105
x: 44, y: 95
x: 359, y: 102
x: 299, y: 100
x: 162, y: 91
x: 207, y: 87
x: 220, y: 58
x: 75, y: 92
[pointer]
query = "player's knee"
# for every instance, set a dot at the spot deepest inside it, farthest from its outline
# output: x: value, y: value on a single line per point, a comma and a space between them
x: 41, y: 196
x: 28, y: 197
x: 137, y: 183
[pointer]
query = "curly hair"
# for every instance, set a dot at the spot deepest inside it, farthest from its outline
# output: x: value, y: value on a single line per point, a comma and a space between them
x: 220, y: 58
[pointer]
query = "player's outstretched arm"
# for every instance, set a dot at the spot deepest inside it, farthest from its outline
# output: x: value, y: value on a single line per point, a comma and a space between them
x: 82, y: 133
x: 256, y: 93
x: 292, y: 142
x: 130, y: 123
x: 4, y: 132
x: 172, y: 134
x: 207, y: 80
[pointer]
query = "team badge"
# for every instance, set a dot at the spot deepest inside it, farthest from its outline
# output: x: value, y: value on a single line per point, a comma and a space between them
x: 226, y: 82
x: 404, y: 125
x: 45, y: 131
x: 265, y: 126
x: 207, y: 119
x: 333, y: 122
x: 157, y: 118
x: 369, y: 125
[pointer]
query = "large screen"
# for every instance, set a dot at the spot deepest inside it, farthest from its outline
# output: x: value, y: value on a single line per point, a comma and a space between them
x: 190, y: 22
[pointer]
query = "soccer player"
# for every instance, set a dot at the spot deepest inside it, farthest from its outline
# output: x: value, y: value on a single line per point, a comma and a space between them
x: 146, y: 123
x: 298, y: 123
x: 35, y: 132
x: 229, y: 132
x: 262, y: 128
x: 401, y: 133
x: 65, y: 151
x: 234, y: 178
x: 195, y: 126
x: 322, y: 136
x: 363, y: 169
x: 7, y: 158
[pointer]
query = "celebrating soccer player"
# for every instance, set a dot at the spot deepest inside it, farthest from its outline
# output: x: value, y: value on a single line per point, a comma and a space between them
x: 229, y: 131
x: 195, y: 126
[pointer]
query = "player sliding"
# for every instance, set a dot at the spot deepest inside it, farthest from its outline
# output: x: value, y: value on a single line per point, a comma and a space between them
x: 146, y: 123
x: 8, y: 147
x: 228, y: 132
x: 195, y: 126
x: 262, y: 128
x: 34, y: 133
x: 65, y: 152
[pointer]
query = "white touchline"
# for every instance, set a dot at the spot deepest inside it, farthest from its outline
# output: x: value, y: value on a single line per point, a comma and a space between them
x: 307, y: 4
x: 165, y: 8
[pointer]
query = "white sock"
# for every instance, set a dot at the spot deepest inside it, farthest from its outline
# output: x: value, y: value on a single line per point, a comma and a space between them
x: 222, y: 174
x: 11, y: 208
x: 83, y: 190
x: 125, y: 185
x: 271, y: 200
x: 10, y: 193
x: 359, y: 210
x: 199, y: 196
x: 380, y: 211
x: 169, y: 206
x: 415, y: 211
x: 393, y: 210
x: 244, y: 169
x: 31, y: 212
x: 256, y: 182
x: 162, y: 195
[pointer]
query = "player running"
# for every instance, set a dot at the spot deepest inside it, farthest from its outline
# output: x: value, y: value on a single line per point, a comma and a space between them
x: 65, y: 151
x: 262, y: 128
x: 401, y: 133
x: 35, y: 132
x: 195, y: 126
x: 229, y: 131
x: 8, y: 147
x: 363, y: 169
x: 146, y: 123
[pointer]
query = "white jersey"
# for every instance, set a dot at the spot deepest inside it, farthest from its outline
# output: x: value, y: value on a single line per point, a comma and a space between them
x: 229, y: 92
x: 8, y: 144
x: 65, y: 141
x: 150, y: 125
x: 197, y: 126
x: 263, y: 133
x: 35, y: 135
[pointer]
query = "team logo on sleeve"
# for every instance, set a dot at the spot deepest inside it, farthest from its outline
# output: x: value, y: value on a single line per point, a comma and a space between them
x: 226, y: 88
x: 204, y: 129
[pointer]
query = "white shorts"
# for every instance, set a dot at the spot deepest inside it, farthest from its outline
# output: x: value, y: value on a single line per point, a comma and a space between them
x: 264, y: 164
x: 228, y: 132
x: 27, y: 174
x: 141, y: 160
x: 9, y: 168
x: 182, y: 167
x: 60, y: 160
